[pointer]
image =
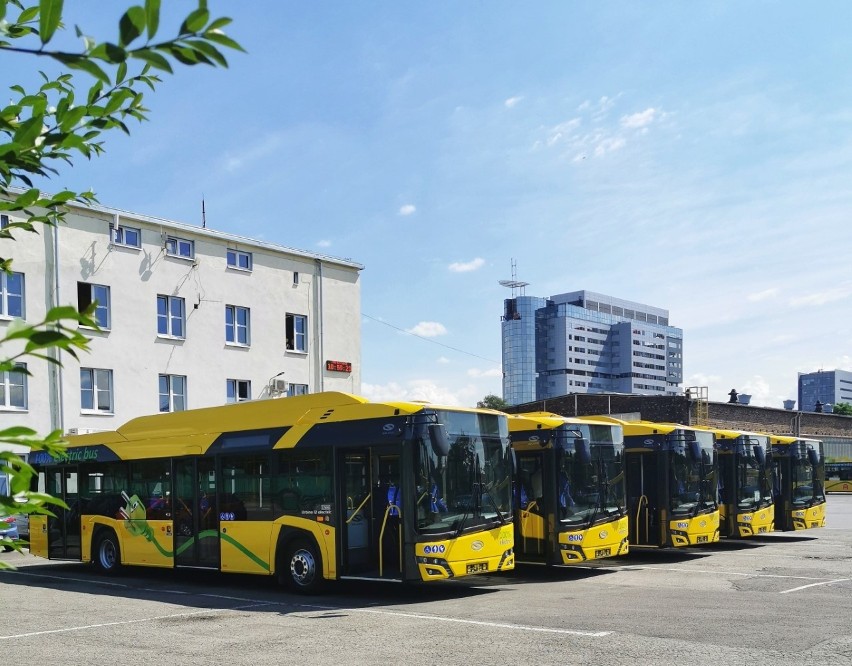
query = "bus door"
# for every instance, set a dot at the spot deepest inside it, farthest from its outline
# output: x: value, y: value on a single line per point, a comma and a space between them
x: 371, y: 546
x: 196, y: 514
x: 530, y: 523
x: 642, y: 497
x: 63, y: 528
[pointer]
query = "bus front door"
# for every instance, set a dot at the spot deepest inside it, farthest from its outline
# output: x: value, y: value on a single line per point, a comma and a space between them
x: 63, y: 528
x: 196, y: 515
x: 371, y: 514
x: 642, y: 498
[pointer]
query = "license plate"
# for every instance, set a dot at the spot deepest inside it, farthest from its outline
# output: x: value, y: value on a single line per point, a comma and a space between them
x: 479, y: 567
x: 701, y: 539
x: 603, y: 552
x: 761, y: 530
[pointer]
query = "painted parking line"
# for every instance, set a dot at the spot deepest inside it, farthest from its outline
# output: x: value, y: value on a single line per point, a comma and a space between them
x: 631, y: 567
x: 827, y: 582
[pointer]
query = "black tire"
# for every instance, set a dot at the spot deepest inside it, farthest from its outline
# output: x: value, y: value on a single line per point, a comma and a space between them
x: 301, y: 567
x: 106, y: 553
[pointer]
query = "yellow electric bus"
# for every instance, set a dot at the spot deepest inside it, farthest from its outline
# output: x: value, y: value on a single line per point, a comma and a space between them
x: 671, y: 481
x: 746, y: 505
x: 307, y: 489
x: 799, y: 477
x: 569, y: 489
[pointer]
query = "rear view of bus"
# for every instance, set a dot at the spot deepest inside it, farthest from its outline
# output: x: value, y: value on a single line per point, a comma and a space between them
x: 569, y: 489
x: 746, y: 506
x: 670, y: 474
x: 799, y: 477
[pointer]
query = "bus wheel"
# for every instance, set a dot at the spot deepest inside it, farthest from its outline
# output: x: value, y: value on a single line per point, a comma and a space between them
x: 107, y: 554
x: 302, y: 568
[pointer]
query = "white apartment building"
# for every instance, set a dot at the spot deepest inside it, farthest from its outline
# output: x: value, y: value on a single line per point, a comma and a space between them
x: 189, y: 317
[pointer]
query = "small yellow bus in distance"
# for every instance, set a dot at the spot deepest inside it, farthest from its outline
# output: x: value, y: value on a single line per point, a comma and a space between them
x: 307, y: 489
x: 799, y: 477
x: 746, y: 505
x: 671, y: 477
x: 569, y: 489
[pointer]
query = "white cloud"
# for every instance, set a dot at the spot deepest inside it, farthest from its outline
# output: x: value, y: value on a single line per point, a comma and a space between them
x: 407, y: 209
x: 324, y: 243
x: 491, y: 372
x: 609, y: 145
x: 641, y: 119
x: 443, y: 360
x: 459, y: 267
x: 823, y: 297
x: 420, y: 390
x: 512, y: 102
x: 766, y: 294
x: 428, y: 329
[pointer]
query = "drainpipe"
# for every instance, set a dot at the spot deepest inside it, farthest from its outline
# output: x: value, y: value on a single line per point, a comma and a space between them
x: 320, y: 316
x: 54, y: 371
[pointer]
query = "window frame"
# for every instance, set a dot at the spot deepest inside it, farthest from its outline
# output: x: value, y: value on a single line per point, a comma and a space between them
x: 118, y: 235
x: 97, y: 391
x: 232, y: 390
x: 5, y: 294
x: 297, y: 389
x: 237, y: 254
x: 173, y: 245
x: 104, y: 308
x: 170, y: 394
x: 290, y: 329
x: 169, y: 317
x: 8, y: 385
x: 233, y: 327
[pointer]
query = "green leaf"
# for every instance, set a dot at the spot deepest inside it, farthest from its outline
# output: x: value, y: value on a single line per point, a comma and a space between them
x: 152, y: 14
x: 50, y: 13
x: 71, y: 118
x: 28, y: 14
x: 196, y: 21
x: 132, y: 24
x: 81, y: 63
x: 223, y: 39
x: 152, y: 58
x: 208, y: 49
x: 121, y: 73
x: 28, y: 198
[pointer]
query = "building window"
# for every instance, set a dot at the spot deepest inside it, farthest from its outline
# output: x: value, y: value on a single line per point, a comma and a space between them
x: 12, y: 294
x: 13, y: 388
x: 96, y: 390
x: 237, y: 323
x: 297, y: 389
x: 295, y: 278
x: 297, y: 332
x: 127, y: 236
x: 238, y: 390
x: 239, y: 260
x: 94, y: 293
x: 4, y: 221
x: 172, y: 393
x: 171, y: 316
x: 180, y: 247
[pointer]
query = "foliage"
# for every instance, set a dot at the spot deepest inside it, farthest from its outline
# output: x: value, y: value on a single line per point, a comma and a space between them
x: 842, y: 408
x: 99, y: 88
x: 492, y: 401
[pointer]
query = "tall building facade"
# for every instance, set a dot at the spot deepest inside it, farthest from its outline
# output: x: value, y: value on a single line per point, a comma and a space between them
x: 188, y: 317
x: 827, y: 387
x: 585, y: 342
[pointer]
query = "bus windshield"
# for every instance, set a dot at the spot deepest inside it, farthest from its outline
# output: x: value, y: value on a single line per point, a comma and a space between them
x: 807, y: 484
x: 753, y: 488
x: 590, y: 486
x: 692, y: 476
x: 470, y: 487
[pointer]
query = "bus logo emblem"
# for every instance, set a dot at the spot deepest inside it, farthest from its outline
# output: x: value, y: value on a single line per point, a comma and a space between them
x: 387, y: 427
x: 477, y: 545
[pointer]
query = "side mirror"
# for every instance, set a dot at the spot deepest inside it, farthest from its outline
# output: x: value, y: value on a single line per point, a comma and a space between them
x: 813, y: 458
x: 581, y: 448
x: 439, y: 440
x: 759, y: 455
x: 694, y: 450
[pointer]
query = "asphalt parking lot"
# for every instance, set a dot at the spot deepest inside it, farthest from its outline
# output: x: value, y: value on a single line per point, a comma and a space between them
x: 785, y: 598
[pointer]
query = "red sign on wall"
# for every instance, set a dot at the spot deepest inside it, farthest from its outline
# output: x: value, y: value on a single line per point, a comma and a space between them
x: 338, y: 366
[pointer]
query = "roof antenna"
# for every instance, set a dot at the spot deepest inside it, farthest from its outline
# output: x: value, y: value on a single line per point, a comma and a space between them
x: 203, y: 214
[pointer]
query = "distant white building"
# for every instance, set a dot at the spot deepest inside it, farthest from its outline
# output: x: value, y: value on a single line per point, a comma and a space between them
x: 189, y: 317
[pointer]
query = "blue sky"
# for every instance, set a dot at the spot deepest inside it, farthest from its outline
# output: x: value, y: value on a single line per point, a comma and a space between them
x: 691, y: 156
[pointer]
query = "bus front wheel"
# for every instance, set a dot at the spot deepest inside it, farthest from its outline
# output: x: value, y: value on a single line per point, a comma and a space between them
x: 301, y: 569
x: 107, y: 555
